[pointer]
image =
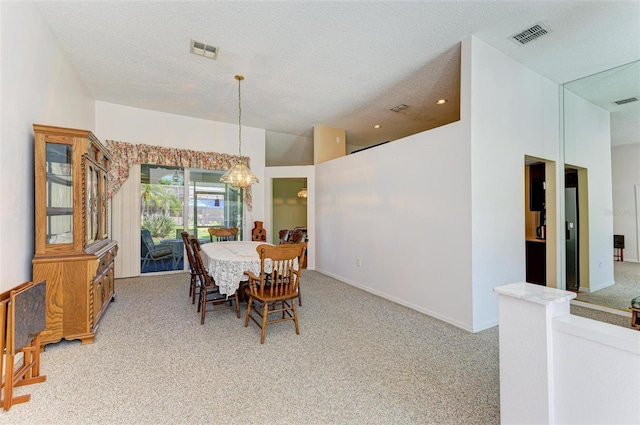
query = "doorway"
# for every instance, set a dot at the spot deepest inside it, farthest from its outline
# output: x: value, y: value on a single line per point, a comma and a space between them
x: 289, y: 206
x: 541, y: 263
x: 576, y: 228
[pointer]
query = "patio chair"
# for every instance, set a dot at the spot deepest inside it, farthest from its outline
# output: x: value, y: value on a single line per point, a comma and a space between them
x: 154, y: 253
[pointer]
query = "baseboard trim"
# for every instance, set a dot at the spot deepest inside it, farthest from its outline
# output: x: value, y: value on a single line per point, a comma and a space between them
x: 386, y: 296
x: 601, y: 308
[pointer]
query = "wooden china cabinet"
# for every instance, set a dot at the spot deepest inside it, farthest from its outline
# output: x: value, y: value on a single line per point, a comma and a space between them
x: 73, y: 252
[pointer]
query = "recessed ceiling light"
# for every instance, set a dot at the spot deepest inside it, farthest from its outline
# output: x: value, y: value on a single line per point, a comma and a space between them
x: 377, y: 126
x: 441, y: 101
x: 203, y: 49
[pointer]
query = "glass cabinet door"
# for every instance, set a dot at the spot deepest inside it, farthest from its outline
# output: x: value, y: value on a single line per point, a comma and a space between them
x: 93, y: 202
x: 104, y: 226
x: 59, y: 193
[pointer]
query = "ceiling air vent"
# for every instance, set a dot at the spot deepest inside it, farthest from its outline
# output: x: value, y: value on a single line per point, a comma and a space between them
x: 203, y: 49
x: 623, y: 101
x: 530, y: 34
x: 399, y: 108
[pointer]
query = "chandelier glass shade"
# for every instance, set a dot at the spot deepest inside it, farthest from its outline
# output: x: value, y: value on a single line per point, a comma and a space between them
x: 240, y: 174
x: 302, y: 193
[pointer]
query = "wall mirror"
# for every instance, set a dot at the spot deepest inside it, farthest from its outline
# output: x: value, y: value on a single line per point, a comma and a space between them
x: 601, y: 121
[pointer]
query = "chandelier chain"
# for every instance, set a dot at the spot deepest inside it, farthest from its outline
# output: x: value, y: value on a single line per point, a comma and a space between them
x: 239, y: 119
x: 239, y: 175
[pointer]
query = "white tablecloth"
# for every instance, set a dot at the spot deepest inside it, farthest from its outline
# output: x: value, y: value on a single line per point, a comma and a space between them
x: 227, y: 262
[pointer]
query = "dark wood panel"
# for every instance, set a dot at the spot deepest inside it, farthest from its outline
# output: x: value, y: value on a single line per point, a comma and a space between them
x: 536, y: 263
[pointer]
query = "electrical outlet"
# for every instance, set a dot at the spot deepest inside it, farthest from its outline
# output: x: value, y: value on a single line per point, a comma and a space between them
x: 358, y: 262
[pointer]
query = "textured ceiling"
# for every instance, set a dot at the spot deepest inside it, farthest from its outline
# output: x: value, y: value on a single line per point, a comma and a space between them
x: 341, y: 64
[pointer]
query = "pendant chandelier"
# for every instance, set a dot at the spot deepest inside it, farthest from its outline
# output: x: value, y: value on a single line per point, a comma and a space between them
x: 239, y: 175
x: 303, y: 192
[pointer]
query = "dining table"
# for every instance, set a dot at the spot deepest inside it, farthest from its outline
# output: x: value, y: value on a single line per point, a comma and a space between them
x: 227, y: 262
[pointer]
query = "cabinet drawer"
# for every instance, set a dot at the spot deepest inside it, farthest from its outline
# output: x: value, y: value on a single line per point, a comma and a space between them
x: 105, y: 261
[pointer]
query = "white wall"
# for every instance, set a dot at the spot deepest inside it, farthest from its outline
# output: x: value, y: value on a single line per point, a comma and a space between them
x: 588, y: 145
x: 454, y: 197
x: 403, y: 209
x: 141, y: 126
x: 514, y: 112
x: 288, y: 149
x: 625, y: 174
x: 39, y: 85
x: 308, y: 172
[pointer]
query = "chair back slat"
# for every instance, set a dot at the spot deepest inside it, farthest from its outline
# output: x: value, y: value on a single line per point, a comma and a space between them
x: 277, y: 286
x: 279, y: 267
x: 223, y: 233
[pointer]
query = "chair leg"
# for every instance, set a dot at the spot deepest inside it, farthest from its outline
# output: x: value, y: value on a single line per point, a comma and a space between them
x: 246, y: 320
x: 299, y: 296
x: 237, y: 305
x: 265, y: 310
x: 203, y: 305
x: 295, y: 316
x: 194, y: 288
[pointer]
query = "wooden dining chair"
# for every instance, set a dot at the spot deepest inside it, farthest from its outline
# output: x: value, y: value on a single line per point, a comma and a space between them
x: 302, y: 264
x: 276, y: 286
x: 209, y: 293
x: 194, y: 283
x: 284, y: 236
x: 223, y: 234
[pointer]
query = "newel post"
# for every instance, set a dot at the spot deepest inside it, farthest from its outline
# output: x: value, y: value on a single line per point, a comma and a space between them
x: 526, y: 351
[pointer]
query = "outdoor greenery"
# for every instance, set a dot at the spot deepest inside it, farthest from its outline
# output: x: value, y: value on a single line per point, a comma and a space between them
x: 160, y: 226
x: 159, y: 205
x: 156, y: 199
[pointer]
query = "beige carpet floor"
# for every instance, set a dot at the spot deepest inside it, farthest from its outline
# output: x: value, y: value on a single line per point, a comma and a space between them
x: 359, y: 359
x: 618, y: 296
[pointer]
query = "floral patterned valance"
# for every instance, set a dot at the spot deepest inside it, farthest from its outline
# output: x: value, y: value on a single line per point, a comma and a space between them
x: 124, y: 155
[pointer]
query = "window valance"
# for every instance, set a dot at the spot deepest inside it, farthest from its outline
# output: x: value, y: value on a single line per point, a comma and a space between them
x: 124, y: 155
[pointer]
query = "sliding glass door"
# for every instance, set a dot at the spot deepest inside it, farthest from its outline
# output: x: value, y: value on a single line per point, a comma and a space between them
x: 162, y: 201
x: 172, y: 197
x: 212, y: 204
